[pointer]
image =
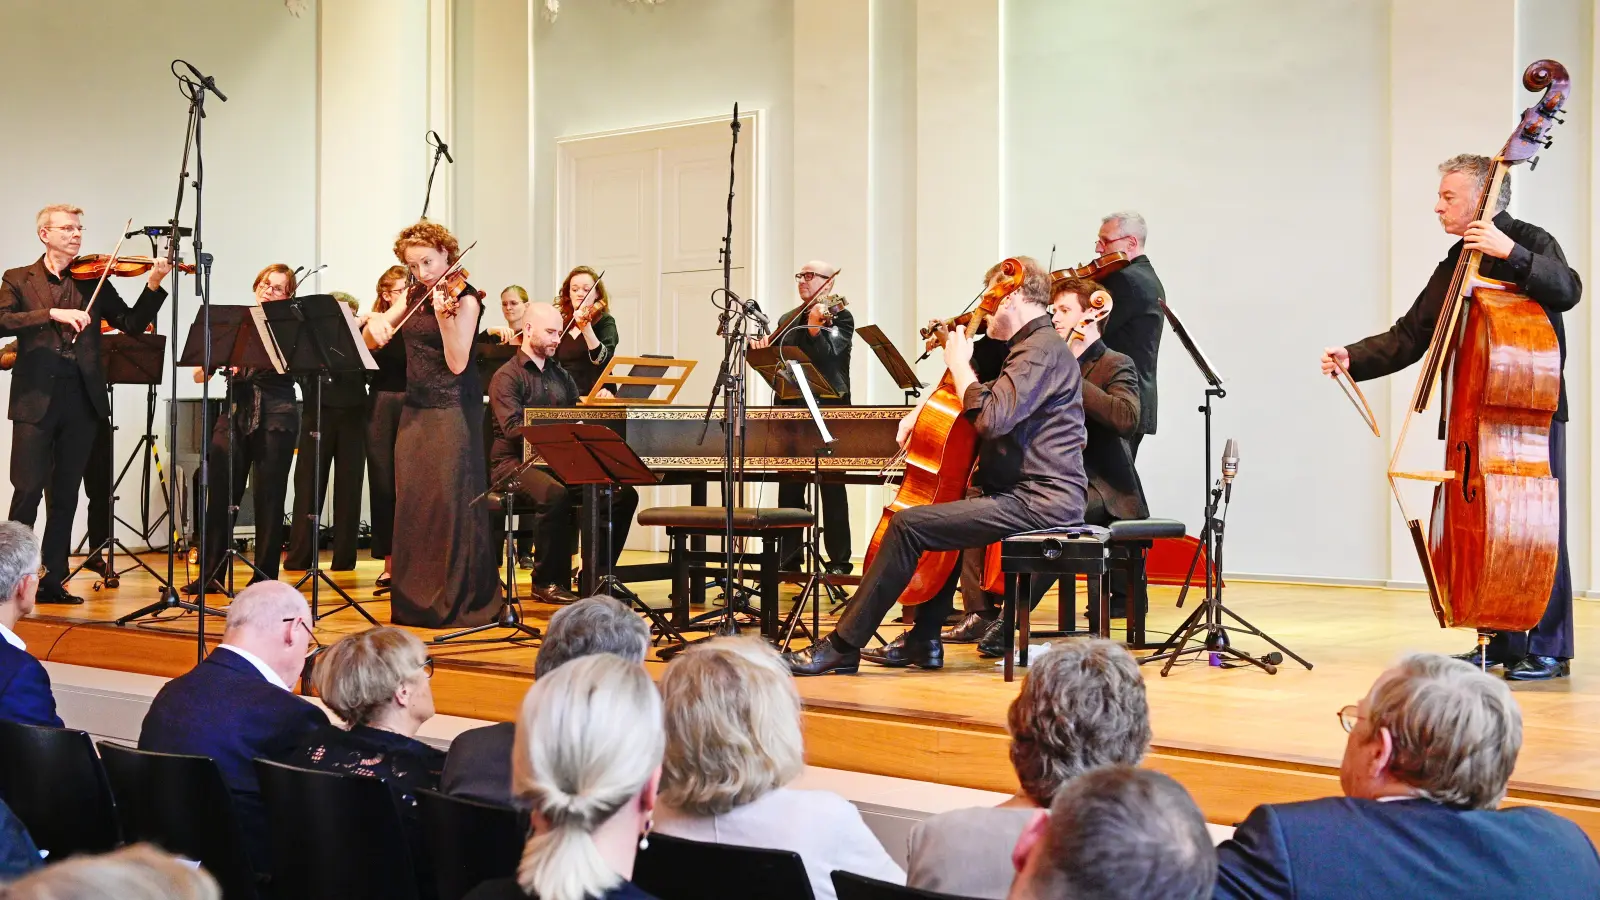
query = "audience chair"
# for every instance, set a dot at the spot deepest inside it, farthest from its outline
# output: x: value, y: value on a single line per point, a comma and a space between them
x: 181, y: 804
x: 334, y: 836
x: 677, y: 869
x: 52, y: 779
x: 850, y: 886
x: 471, y: 842
x: 687, y: 523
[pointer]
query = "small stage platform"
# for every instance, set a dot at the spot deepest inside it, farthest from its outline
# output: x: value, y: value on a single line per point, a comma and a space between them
x: 1233, y: 737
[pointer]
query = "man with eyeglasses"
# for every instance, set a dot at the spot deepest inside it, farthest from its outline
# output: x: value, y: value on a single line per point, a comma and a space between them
x: 58, y: 389
x: 1134, y: 328
x: 827, y: 343
x: 1429, y: 754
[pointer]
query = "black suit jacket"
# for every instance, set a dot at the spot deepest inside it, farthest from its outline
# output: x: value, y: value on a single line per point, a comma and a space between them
x: 26, y: 298
x: 225, y: 709
x: 25, y: 694
x: 478, y: 765
x: 1134, y: 328
x: 1346, y: 849
x: 1111, y: 416
x: 1536, y: 263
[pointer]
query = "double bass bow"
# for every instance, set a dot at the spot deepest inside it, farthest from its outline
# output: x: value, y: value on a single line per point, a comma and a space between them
x: 1489, y: 558
x: 941, y: 451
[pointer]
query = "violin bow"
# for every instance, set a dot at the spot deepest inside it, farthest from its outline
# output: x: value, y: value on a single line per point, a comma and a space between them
x: 567, y: 324
x: 104, y: 274
x: 1341, y: 376
x: 454, y: 268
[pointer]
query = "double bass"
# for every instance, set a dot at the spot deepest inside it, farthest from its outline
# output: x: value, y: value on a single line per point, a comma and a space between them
x: 940, y: 453
x: 1489, y: 555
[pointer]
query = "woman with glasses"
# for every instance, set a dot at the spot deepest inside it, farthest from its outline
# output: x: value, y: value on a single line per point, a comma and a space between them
x: 384, y: 403
x: 260, y: 428
x: 591, y: 336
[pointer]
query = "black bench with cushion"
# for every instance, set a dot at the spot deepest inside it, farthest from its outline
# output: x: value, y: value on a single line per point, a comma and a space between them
x: 686, y: 522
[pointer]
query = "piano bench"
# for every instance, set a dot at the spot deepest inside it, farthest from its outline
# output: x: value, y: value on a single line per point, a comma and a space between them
x: 685, y: 522
x: 1063, y: 552
x: 1128, y: 546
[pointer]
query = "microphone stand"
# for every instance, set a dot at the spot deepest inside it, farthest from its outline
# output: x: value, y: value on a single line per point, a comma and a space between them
x: 440, y: 148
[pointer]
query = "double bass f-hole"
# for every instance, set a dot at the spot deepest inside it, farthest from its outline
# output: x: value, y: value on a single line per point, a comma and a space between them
x: 1468, y: 492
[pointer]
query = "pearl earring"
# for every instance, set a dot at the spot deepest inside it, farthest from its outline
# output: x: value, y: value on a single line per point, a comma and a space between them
x: 644, y: 838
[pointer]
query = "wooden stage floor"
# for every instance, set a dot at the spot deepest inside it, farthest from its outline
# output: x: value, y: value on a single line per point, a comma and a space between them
x: 1234, y: 737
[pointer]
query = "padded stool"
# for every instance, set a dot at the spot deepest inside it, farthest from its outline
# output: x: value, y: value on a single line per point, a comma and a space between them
x: 686, y: 522
x: 1128, y: 547
x: 1063, y: 552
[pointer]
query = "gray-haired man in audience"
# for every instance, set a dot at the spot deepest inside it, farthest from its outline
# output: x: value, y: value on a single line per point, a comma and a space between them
x: 1081, y: 707
x: 1116, y: 833
x: 1430, y: 750
x: 478, y: 765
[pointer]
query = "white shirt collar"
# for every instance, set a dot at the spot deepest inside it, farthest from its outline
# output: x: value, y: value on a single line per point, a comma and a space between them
x: 11, y: 638
x: 254, y: 660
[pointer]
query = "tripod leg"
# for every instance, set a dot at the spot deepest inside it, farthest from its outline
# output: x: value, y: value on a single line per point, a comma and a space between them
x: 1266, y: 637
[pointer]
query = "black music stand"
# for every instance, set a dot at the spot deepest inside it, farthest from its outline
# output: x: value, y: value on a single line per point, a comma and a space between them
x: 905, y: 378
x: 772, y: 364
x: 817, y: 577
x: 595, y: 457
x: 510, y: 610
x: 318, y: 337
x: 126, y: 359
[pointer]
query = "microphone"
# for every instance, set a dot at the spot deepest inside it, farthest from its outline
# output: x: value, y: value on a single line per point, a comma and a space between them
x: 158, y: 231
x: 753, y: 310
x: 206, y: 81
x: 441, y: 146
x: 1230, y: 468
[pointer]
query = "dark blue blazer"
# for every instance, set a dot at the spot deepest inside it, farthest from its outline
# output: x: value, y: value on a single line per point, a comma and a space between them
x: 478, y: 765
x: 1342, y: 848
x: 25, y: 695
x: 225, y: 709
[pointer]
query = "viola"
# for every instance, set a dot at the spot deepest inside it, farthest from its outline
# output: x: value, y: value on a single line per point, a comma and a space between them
x: 941, y: 451
x: 1094, y: 271
x: 94, y: 265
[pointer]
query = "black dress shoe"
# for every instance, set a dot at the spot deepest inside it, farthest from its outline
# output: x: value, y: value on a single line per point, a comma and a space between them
x: 841, y: 568
x: 968, y: 630
x: 1539, y: 668
x: 55, y: 593
x: 554, y: 593
x: 822, y: 658
x: 1475, y: 656
x: 903, y: 651
x: 97, y: 565
x: 525, y: 561
x: 992, y: 644
x: 383, y: 580
x: 193, y: 588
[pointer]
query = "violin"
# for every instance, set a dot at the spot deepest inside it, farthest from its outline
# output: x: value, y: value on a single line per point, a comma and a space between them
x: 1094, y: 271
x: 831, y: 306
x: 453, y: 283
x: 93, y: 266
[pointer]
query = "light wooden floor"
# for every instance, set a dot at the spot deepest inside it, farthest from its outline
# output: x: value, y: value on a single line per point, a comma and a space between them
x: 1287, y: 719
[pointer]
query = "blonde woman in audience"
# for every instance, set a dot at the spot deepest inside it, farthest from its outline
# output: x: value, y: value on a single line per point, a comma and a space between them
x: 140, y: 872
x: 1082, y: 707
x: 733, y: 743
x: 587, y: 761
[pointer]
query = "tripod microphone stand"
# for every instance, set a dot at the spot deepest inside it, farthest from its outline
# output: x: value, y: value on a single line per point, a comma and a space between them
x: 511, y: 610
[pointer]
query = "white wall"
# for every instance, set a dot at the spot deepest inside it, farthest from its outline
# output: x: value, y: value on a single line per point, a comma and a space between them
x: 94, y: 75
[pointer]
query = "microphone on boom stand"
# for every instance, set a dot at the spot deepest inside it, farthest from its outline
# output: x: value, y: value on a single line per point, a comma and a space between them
x: 1230, y: 468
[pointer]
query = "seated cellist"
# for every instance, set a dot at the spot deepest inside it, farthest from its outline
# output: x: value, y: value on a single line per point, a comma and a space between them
x: 1029, y: 422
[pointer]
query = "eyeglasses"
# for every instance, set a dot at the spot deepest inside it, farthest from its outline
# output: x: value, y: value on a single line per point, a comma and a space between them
x: 315, y: 644
x: 803, y: 277
x: 272, y: 290
x: 427, y: 666
x: 392, y: 292
x: 43, y: 571
x: 1349, y: 716
x: 69, y: 229
x: 1103, y: 243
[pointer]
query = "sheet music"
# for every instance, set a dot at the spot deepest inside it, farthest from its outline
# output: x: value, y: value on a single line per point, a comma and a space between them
x: 355, y: 334
x: 811, y: 401
x: 258, y: 315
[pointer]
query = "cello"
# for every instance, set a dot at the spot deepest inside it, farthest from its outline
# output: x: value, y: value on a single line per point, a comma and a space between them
x: 1489, y: 555
x: 940, y: 453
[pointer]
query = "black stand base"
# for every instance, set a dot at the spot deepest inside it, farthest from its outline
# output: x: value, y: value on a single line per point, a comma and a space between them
x: 511, y: 610
x: 321, y: 577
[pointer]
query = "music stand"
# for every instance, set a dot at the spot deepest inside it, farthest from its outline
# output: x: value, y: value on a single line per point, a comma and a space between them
x: 773, y: 365
x: 905, y: 378
x: 317, y: 336
x: 637, y: 388
x: 126, y: 359
x: 594, y: 456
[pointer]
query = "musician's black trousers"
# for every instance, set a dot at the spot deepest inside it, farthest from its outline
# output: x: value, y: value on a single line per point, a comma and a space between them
x: 52, y: 452
x: 271, y: 452
x: 975, y: 522
x: 550, y: 501
x: 97, y: 477
x: 1553, y: 635
x: 835, y: 520
x: 344, y: 455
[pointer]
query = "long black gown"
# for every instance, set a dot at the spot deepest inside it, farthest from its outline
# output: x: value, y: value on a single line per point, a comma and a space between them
x: 444, y: 563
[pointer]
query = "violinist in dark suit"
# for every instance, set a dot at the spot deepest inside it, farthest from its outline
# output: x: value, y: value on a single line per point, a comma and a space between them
x: 1528, y: 256
x: 1134, y: 328
x: 58, y: 389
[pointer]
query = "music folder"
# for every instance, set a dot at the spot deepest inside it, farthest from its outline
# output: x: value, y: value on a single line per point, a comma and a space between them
x: 773, y: 365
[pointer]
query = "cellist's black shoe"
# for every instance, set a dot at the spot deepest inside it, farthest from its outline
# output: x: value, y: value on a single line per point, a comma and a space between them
x: 968, y: 630
x: 822, y: 658
x: 1539, y: 668
x: 1477, y: 657
x: 902, y: 652
x: 992, y: 645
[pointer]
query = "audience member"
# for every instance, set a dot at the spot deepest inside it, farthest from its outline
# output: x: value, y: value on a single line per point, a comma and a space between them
x: 1082, y: 706
x: 732, y: 718
x: 236, y: 705
x: 1430, y: 750
x: 478, y: 765
x: 18, y: 853
x: 1116, y: 833
x: 140, y: 872
x: 24, y: 685
x: 587, y: 762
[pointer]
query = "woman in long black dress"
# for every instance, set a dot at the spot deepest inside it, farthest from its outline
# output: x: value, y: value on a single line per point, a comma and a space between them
x: 384, y: 403
x: 591, y: 337
x: 444, y: 564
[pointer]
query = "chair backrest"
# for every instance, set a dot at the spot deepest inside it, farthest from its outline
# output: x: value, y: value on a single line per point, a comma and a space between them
x: 850, y: 886
x: 677, y: 869
x: 471, y: 842
x: 52, y: 779
x: 334, y: 836
x: 181, y: 804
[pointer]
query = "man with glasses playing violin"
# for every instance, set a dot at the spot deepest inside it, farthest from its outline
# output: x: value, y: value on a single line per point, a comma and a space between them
x: 822, y: 330
x: 58, y: 389
x: 1134, y: 328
